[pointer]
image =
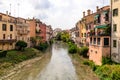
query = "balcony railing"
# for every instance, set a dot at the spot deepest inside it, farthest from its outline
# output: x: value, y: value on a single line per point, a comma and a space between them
x: 7, y: 40
x: 23, y: 32
x: 99, y: 34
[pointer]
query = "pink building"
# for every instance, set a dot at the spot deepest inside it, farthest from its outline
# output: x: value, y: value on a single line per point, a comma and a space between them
x: 43, y: 31
x: 100, y: 37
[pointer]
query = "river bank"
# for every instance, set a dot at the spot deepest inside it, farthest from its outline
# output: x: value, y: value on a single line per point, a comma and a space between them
x: 84, y: 72
x: 13, y: 72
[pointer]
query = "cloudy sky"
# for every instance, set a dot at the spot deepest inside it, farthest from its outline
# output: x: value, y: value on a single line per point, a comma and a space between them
x: 58, y: 13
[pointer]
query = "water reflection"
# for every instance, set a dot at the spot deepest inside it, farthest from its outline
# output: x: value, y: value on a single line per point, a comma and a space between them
x: 60, y: 66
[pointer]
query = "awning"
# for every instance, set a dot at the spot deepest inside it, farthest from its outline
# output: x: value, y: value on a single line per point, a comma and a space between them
x: 96, y: 16
x: 105, y: 12
x: 101, y: 26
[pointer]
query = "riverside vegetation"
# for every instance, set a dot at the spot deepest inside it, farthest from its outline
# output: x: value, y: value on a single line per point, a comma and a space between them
x: 8, y: 59
x: 109, y: 70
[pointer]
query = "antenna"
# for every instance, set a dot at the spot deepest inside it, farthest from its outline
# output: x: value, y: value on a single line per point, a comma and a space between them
x: 10, y: 8
x: 103, y: 2
x: 18, y: 9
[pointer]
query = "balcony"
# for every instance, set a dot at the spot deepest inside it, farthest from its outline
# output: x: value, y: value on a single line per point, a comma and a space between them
x: 22, y: 24
x: 102, y: 30
x: 23, y: 32
x: 7, y: 40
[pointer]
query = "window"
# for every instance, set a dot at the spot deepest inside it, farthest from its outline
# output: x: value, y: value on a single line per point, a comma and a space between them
x: 99, y: 20
x: 84, y: 34
x: 0, y: 17
x: 114, y: 27
x: 10, y: 36
x: 4, y: 27
x: 96, y: 52
x: 114, y: 43
x: 91, y: 50
x: 11, y: 27
x: 98, y: 41
x: 115, y: 12
x: 3, y: 36
x: 94, y: 40
x: 106, y: 41
x: 90, y: 40
x: 116, y: 0
x: 107, y: 16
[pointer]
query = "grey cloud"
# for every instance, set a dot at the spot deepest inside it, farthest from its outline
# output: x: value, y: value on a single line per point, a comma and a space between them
x: 43, y: 4
x: 42, y: 16
x: 1, y: 3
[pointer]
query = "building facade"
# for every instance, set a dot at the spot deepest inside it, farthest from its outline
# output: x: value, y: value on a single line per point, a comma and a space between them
x: 7, y: 32
x: 115, y: 39
x: 23, y: 30
x: 100, y: 37
x: 48, y: 33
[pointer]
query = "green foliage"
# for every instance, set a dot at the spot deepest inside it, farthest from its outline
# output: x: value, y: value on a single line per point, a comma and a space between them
x: 18, y: 56
x: 33, y: 41
x: 64, y: 36
x: 108, y: 30
x: 42, y: 46
x: 51, y: 41
x: 91, y: 64
x: 83, y: 51
x: 3, y: 54
x: 21, y: 45
x: 72, y: 48
x: 109, y: 72
x: 106, y: 60
x: 58, y: 36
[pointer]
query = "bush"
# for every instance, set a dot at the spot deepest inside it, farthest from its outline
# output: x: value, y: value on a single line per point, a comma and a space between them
x: 3, y: 54
x: 72, y: 48
x: 18, y: 56
x: 109, y: 72
x: 42, y: 46
x: 106, y: 60
x: 83, y: 51
x: 21, y: 45
x: 91, y: 64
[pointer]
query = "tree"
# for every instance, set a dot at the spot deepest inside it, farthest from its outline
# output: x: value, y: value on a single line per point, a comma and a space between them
x: 21, y: 45
x: 33, y: 41
x: 58, y: 36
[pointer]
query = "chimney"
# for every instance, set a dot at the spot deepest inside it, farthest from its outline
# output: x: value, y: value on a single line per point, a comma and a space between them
x: 97, y: 8
x: 9, y: 13
x: 89, y: 11
x: 84, y: 14
x: 6, y: 12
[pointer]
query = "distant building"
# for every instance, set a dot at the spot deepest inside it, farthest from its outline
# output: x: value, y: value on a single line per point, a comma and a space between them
x: 56, y: 31
x: 49, y: 32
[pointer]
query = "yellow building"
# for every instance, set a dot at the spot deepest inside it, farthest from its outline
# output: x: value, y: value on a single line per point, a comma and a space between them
x: 7, y: 32
x: 83, y: 32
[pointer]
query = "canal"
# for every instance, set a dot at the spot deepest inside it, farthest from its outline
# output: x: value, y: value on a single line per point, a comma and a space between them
x: 57, y: 67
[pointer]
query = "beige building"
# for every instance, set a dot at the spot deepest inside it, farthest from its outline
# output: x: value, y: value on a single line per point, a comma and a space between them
x: 23, y: 30
x: 115, y: 41
x: 48, y: 32
x: 7, y: 32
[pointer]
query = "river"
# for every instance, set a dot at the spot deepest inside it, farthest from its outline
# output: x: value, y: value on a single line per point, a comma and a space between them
x: 59, y: 67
